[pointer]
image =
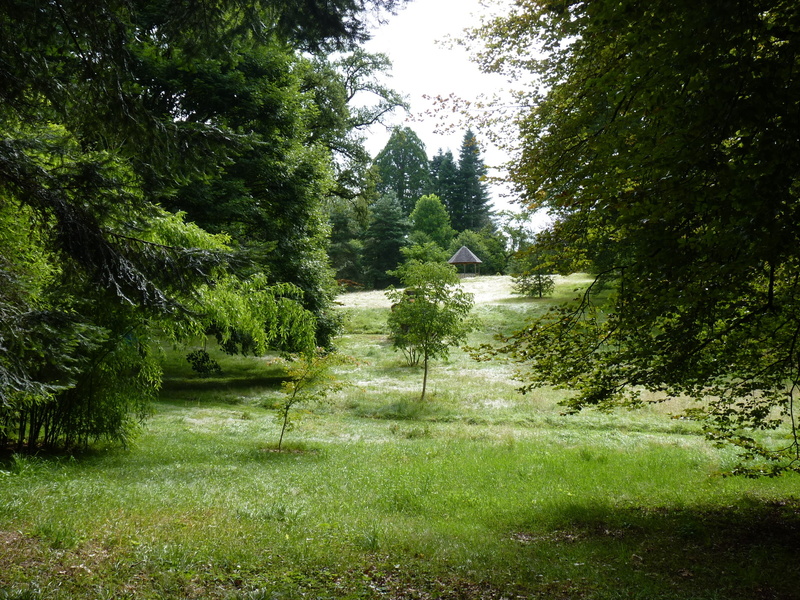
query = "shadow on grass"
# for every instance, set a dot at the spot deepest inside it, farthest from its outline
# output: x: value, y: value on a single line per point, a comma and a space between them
x: 175, y: 384
x: 737, y: 552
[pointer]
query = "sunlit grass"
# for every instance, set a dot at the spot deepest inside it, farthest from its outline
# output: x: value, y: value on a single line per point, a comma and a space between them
x: 478, y: 492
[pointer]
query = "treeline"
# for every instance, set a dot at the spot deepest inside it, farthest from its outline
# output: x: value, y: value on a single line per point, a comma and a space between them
x: 412, y: 201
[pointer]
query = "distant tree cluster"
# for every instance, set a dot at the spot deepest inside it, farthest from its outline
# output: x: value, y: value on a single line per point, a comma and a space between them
x: 413, y: 201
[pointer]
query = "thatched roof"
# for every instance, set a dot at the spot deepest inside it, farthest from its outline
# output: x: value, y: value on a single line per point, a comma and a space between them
x: 464, y: 256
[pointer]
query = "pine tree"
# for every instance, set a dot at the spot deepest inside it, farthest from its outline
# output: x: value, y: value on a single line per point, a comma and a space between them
x: 386, y: 235
x: 470, y: 207
x: 444, y: 178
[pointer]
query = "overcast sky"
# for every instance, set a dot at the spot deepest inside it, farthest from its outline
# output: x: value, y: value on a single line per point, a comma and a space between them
x: 423, y: 66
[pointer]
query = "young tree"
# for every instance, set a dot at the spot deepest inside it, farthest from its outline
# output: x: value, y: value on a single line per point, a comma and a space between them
x: 430, y: 217
x: 310, y: 380
x: 430, y: 314
x: 665, y: 144
x: 403, y: 168
x: 533, y: 273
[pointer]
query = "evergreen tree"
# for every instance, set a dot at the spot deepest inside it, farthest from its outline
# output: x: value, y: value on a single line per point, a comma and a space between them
x: 107, y: 109
x: 403, y: 168
x: 346, y: 243
x: 444, y: 178
x: 470, y: 206
x: 385, y: 237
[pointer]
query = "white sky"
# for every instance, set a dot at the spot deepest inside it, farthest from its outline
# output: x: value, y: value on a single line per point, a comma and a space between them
x: 423, y: 64
x: 412, y: 40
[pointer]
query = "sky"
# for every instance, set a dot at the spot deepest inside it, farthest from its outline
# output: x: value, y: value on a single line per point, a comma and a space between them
x: 422, y: 65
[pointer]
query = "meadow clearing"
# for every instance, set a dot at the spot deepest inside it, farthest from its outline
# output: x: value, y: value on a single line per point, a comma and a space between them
x: 478, y: 492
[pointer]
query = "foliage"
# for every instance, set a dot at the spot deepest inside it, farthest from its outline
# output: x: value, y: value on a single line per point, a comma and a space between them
x: 663, y: 139
x: 345, y: 243
x: 110, y: 113
x: 534, y: 282
x: 420, y: 253
x: 384, y: 239
x: 403, y: 169
x: 469, y: 209
x: 430, y: 314
x: 340, y: 89
x: 515, y: 227
x: 203, y: 364
x: 430, y: 218
x: 310, y: 379
x: 444, y: 178
x: 533, y: 268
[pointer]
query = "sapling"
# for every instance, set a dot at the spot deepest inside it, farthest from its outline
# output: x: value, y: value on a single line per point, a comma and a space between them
x: 430, y: 315
x: 310, y: 380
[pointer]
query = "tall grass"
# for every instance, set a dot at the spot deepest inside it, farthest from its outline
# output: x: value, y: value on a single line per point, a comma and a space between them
x: 478, y: 493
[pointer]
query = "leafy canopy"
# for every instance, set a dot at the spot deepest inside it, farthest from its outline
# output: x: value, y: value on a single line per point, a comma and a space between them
x: 663, y: 138
x: 430, y: 314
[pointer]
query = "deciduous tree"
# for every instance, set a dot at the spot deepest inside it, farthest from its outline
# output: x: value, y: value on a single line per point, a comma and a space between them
x: 664, y: 139
x: 430, y: 314
x: 430, y: 218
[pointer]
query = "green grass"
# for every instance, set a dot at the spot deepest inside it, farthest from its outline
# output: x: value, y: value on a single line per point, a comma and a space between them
x: 478, y: 493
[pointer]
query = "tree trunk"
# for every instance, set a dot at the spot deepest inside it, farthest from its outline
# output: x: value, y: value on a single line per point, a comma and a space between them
x: 424, y: 378
x: 283, y: 429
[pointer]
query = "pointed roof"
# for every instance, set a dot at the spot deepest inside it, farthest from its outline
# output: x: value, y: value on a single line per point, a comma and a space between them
x: 464, y: 256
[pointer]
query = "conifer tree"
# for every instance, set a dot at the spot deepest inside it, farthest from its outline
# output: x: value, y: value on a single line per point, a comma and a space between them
x: 386, y: 235
x: 403, y: 168
x: 444, y: 178
x: 470, y: 206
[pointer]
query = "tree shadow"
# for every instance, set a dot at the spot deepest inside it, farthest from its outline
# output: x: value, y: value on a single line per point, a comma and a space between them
x: 749, y: 551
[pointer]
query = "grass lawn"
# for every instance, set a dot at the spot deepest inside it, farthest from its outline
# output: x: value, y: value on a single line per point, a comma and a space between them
x: 479, y: 493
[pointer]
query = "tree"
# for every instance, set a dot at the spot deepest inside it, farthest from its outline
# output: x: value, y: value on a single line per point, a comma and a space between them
x: 469, y: 208
x: 109, y: 109
x: 430, y: 314
x: 310, y: 379
x: 349, y: 99
x: 533, y: 273
x: 385, y: 237
x: 403, y: 168
x: 430, y: 218
x: 444, y: 178
x: 665, y: 143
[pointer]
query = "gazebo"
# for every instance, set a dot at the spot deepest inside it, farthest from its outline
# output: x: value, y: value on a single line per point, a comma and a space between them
x: 465, y: 257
